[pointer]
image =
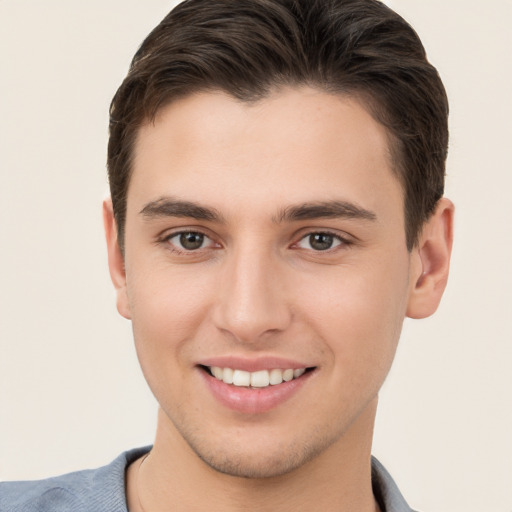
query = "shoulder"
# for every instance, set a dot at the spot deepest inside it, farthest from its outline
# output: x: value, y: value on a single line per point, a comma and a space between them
x: 101, y: 490
x: 386, y: 491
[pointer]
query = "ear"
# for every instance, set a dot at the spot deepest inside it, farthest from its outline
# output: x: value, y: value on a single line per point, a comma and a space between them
x: 431, y: 262
x: 115, y: 259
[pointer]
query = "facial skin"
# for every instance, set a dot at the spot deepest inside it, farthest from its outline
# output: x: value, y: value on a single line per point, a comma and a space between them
x: 260, y: 290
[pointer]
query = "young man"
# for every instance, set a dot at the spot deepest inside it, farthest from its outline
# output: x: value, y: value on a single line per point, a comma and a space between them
x: 276, y: 172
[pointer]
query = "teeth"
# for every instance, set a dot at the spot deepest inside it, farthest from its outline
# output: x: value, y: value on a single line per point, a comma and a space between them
x: 241, y: 378
x: 226, y: 375
x: 287, y: 375
x: 217, y: 372
x: 276, y: 377
x: 259, y: 379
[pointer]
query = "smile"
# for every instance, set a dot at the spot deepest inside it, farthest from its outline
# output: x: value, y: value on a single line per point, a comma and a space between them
x: 258, y: 379
x: 257, y: 391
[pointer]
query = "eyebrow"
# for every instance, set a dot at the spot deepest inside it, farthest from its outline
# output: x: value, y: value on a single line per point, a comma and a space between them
x: 325, y: 210
x: 171, y: 207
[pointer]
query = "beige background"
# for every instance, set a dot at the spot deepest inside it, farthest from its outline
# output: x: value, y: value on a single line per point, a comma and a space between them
x: 71, y: 394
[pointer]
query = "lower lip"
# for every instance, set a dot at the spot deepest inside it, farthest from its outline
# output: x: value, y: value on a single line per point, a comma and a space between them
x: 253, y: 400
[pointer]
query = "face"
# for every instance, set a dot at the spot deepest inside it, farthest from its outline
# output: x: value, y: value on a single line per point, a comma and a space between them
x: 265, y: 241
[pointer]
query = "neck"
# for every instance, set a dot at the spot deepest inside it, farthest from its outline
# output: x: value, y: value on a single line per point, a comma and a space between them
x: 339, y: 478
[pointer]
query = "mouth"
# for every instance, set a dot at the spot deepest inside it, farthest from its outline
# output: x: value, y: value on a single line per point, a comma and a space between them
x: 257, y: 385
x: 258, y: 379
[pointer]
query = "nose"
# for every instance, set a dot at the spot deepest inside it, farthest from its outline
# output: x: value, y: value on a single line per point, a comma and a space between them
x: 251, y: 303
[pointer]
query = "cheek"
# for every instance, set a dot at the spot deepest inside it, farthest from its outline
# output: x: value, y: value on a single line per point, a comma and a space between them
x: 166, y: 298
x: 359, y: 314
x: 167, y: 310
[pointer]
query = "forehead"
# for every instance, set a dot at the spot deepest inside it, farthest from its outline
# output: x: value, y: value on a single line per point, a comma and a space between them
x: 297, y: 144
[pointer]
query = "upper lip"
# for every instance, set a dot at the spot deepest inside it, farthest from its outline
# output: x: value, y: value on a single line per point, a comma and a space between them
x: 254, y: 364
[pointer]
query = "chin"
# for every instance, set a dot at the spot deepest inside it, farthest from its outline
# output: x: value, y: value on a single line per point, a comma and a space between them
x: 242, y: 466
x: 258, y: 461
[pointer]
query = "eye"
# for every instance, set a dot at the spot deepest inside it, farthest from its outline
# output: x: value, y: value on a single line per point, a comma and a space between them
x: 319, y: 241
x: 189, y: 241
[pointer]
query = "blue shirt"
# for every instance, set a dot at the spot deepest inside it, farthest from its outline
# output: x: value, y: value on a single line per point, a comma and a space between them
x: 103, y: 490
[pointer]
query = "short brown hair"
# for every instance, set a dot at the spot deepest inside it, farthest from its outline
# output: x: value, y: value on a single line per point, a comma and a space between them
x: 247, y: 48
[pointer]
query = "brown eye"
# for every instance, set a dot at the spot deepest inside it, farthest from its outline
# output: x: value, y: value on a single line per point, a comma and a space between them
x: 188, y: 241
x: 191, y: 241
x: 319, y: 241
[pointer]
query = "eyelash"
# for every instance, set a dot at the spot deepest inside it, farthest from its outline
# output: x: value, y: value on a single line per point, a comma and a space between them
x: 174, y: 248
x: 341, y: 241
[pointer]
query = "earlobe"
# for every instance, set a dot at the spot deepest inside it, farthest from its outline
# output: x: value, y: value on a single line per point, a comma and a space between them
x: 431, y: 262
x: 115, y: 259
